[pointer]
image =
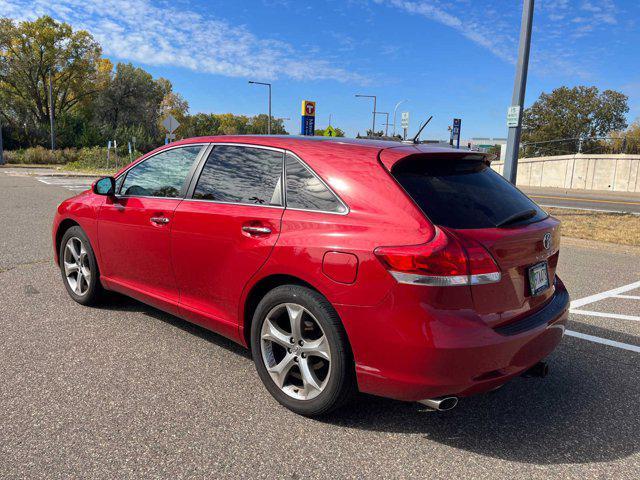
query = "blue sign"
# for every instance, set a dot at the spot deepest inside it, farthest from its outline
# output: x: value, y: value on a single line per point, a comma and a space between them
x: 308, y: 125
x: 455, y: 132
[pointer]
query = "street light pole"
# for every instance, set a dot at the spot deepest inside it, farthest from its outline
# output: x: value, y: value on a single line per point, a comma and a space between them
x: 373, y: 125
x: 519, y: 89
x: 395, y: 110
x: 51, y: 124
x: 268, y: 85
x: 386, y: 130
x: 1, y: 149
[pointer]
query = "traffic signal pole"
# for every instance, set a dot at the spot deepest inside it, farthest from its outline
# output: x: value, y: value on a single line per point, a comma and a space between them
x: 519, y: 89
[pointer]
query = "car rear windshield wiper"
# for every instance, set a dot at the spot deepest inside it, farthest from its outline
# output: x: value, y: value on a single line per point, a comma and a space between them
x: 517, y: 217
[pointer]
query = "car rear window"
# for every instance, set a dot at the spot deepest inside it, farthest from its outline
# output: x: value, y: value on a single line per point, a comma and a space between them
x: 464, y: 194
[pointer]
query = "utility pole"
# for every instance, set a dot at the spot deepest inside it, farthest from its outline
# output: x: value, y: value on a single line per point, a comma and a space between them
x: 386, y: 130
x: 514, y: 120
x: 268, y: 85
x: 395, y: 110
x: 373, y: 125
x: 51, y: 124
x: 1, y: 150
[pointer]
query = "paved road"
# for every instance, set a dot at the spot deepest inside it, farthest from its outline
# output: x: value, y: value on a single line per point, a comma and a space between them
x: 128, y: 391
x: 628, y: 202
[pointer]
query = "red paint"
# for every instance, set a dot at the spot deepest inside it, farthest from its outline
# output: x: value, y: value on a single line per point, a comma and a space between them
x: 409, y: 342
x: 340, y: 267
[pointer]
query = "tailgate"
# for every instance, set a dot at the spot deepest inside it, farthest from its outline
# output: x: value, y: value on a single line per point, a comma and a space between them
x: 515, y: 250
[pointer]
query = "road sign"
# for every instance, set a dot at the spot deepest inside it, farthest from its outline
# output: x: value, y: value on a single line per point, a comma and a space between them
x: 455, y: 131
x: 513, y: 116
x: 170, y: 123
x: 405, y: 120
x: 329, y: 131
x: 308, y: 123
x: 309, y: 108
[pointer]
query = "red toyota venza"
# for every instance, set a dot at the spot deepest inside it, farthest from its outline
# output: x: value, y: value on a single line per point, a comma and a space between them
x: 406, y: 271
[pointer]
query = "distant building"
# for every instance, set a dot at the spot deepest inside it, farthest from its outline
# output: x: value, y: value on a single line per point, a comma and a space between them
x: 483, y: 144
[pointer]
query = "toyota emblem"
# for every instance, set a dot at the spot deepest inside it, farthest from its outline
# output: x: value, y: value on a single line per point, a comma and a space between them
x: 546, y: 241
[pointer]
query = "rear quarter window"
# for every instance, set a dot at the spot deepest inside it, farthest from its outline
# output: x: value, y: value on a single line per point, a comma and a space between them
x: 463, y: 194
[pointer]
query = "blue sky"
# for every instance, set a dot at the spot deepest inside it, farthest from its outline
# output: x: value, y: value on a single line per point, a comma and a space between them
x: 448, y: 58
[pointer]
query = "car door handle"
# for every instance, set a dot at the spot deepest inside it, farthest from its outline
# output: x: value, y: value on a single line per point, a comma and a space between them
x: 253, y: 230
x: 159, y: 220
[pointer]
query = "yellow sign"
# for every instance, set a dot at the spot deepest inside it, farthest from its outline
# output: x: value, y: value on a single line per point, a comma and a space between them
x: 329, y: 131
x: 308, y: 108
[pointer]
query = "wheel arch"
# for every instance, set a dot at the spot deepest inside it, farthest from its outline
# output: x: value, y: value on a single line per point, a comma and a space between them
x: 258, y: 291
x: 64, y: 225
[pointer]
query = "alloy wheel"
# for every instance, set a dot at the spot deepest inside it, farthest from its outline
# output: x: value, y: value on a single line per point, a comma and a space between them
x: 295, y: 351
x: 76, y: 265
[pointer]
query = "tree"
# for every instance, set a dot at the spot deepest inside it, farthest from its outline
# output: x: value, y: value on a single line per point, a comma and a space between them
x: 258, y: 125
x: 131, y: 105
x: 572, y: 113
x: 29, y: 53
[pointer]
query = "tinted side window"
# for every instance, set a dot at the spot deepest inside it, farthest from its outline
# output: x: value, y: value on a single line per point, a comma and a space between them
x: 162, y: 175
x: 306, y: 191
x: 241, y: 175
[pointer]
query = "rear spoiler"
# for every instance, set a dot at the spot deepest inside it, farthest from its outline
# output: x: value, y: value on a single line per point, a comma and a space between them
x: 389, y: 157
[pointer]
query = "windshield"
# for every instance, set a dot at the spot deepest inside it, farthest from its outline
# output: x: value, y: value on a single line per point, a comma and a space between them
x: 465, y: 194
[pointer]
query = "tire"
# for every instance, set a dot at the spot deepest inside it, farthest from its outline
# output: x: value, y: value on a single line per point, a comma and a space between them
x: 78, y: 264
x: 327, y: 383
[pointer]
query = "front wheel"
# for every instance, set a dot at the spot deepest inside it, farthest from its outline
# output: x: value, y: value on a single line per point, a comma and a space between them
x: 301, y: 351
x: 78, y: 267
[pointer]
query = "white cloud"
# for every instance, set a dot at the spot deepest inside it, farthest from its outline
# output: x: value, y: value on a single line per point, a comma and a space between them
x: 141, y: 32
x: 495, y: 26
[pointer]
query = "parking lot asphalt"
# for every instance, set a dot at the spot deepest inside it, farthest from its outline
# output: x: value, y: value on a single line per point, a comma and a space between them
x: 125, y: 390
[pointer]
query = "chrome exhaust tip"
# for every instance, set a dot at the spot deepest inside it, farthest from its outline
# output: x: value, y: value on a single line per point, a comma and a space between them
x: 441, y: 404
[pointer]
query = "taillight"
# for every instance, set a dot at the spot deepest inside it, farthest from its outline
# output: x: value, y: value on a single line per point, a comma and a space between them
x: 444, y: 261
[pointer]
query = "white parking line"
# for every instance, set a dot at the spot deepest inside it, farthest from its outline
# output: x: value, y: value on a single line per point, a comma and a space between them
x: 613, y: 293
x: 601, y: 296
x: 603, y: 341
x: 591, y: 313
x: 630, y: 297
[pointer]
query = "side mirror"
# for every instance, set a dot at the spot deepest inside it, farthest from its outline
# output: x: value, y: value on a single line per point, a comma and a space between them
x: 105, y: 186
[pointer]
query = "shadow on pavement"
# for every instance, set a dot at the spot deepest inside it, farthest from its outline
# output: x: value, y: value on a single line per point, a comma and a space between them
x: 585, y: 411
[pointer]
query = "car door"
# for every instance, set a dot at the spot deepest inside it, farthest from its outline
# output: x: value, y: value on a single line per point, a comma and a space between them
x: 134, y: 227
x: 225, y: 230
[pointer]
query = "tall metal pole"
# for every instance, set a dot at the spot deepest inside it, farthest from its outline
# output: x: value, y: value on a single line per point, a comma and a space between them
x: 268, y: 85
x: 386, y: 132
x: 1, y: 149
x: 519, y: 89
x: 51, y: 124
x: 395, y: 110
x: 373, y: 124
x: 269, y: 124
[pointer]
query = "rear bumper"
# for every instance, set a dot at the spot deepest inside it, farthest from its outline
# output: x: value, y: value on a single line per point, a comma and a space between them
x: 417, y: 353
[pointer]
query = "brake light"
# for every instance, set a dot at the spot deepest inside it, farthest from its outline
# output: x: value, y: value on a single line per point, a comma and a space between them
x: 444, y: 261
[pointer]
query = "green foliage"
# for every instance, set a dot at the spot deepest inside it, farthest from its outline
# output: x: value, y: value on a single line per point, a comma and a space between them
x: 30, y: 52
x: 92, y: 102
x: 579, y: 112
x: 40, y: 156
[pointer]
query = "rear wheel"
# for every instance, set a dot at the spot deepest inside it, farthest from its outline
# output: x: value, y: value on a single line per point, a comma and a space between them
x: 301, y: 351
x: 78, y: 267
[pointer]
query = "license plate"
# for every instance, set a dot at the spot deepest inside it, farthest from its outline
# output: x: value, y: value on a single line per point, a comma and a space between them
x: 538, y: 278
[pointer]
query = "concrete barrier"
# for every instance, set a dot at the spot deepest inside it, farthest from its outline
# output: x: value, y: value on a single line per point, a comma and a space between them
x: 619, y: 173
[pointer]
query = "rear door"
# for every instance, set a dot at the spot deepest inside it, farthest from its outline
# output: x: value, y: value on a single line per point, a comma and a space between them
x: 225, y: 230
x: 470, y: 200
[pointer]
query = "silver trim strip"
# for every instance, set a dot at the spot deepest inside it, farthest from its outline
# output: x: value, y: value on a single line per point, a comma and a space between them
x: 445, y: 281
x: 204, y: 200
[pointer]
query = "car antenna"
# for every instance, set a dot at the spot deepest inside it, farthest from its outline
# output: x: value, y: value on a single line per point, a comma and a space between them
x: 415, y: 139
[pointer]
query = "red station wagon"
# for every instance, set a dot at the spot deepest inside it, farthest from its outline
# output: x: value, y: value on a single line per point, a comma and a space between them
x: 406, y: 271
